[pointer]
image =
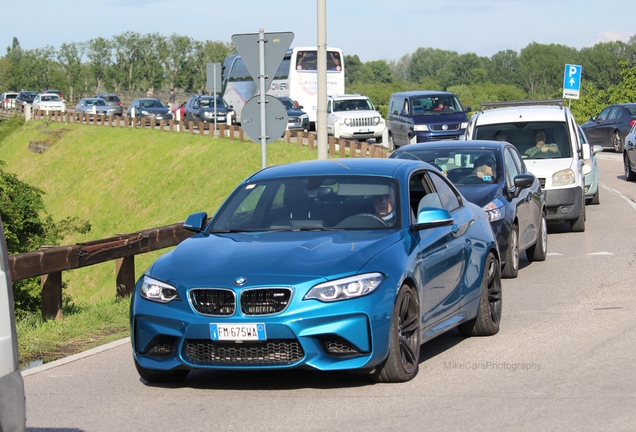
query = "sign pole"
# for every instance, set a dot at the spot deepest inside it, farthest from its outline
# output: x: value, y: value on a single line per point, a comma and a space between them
x: 261, y: 56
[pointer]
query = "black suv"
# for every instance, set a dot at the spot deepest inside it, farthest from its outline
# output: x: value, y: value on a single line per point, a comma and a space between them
x: 25, y: 97
x: 113, y: 101
x: 201, y: 108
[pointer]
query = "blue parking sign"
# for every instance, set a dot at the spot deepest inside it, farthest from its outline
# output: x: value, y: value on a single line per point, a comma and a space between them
x: 572, y: 81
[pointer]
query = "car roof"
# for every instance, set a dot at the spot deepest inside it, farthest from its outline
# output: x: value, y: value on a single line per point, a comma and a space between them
x: 382, y: 167
x: 521, y: 113
x: 455, y: 144
x: 349, y: 96
x: 414, y: 93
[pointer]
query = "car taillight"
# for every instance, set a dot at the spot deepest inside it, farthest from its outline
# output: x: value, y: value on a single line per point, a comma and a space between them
x: 119, y: 103
x: 631, y: 123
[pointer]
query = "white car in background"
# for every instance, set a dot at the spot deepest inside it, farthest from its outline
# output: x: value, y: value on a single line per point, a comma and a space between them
x: 49, y: 102
x: 353, y: 117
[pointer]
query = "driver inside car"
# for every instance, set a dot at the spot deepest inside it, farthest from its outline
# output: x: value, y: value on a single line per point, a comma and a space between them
x: 384, y: 206
x: 540, y: 145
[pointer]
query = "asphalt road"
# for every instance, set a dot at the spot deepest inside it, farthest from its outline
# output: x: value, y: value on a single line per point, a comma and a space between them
x: 563, y: 360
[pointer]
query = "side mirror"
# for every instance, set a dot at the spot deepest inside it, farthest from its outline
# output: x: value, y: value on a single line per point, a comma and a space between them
x: 467, y: 109
x: 403, y: 113
x: 586, y: 151
x: 597, y: 148
x: 432, y: 217
x: 523, y: 181
x: 195, y: 222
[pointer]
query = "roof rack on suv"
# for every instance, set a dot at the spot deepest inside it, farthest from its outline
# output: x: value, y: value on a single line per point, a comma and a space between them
x: 516, y: 103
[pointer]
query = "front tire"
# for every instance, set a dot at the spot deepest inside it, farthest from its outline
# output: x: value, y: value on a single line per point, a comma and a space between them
x: 392, y: 145
x: 511, y: 268
x: 617, y: 142
x: 578, y: 224
x: 629, y: 174
x: 160, y: 376
x: 486, y: 323
x: 404, y: 340
x: 539, y: 250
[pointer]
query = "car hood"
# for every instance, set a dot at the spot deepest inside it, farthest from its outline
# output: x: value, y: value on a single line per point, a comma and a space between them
x: 444, y: 118
x: 545, y: 168
x: 271, y: 256
x: 295, y: 113
x: 481, y: 194
x: 156, y: 110
x: 219, y: 110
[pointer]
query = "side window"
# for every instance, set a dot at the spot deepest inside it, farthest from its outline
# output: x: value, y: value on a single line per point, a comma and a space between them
x: 405, y: 107
x: 448, y: 198
x: 511, y: 169
x: 393, y: 107
x: 521, y: 167
x: 329, y: 104
x: 603, y: 115
x: 615, y: 113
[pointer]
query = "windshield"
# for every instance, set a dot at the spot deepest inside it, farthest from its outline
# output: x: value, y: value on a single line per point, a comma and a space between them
x: 153, y: 103
x: 461, y: 165
x: 353, y: 105
x: 209, y: 103
x: 310, y: 203
x: 308, y: 60
x: 436, y: 105
x: 50, y: 98
x: 534, y: 140
x: 289, y: 104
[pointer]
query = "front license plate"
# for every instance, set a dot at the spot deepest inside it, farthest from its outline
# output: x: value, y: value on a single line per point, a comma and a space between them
x: 236, y: 332
x: 364, y: 130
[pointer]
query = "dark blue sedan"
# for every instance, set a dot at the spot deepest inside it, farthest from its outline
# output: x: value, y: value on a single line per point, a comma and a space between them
x: 344, y: 264
x: 150, y: 108
x: 493, y: 175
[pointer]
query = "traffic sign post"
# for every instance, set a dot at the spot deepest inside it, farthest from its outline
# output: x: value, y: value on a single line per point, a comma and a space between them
x: 263, y: 53
x: 213, y: 72
x: 572, y: 81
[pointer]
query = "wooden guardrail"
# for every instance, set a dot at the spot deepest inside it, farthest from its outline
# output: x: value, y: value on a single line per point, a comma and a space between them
x: 49, y: 262
x: 337, y: 148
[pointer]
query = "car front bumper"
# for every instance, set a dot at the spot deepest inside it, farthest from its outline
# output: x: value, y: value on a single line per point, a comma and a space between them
x: 563, y: 204
x: 351, y: 334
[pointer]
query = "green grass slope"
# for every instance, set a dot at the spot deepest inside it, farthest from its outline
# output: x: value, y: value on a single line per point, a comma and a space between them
x: 127, y: 180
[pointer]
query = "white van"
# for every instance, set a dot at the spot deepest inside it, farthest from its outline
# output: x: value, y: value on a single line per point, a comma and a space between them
x: 12, y: 403
x: 545, y: 133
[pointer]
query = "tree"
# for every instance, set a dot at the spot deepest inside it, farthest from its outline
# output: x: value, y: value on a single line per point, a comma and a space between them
x: 173, y: 53
x: 464, y: 69
x: 69, y: 57
x: 428, y: 63
x: 99, y: 53
x: 600, y: 63
x: 203, y: 53
x: 356, y: 71
x: 399, y: 68
x: 381, y: 71
x: 541, y: 68
x: 503, y: 68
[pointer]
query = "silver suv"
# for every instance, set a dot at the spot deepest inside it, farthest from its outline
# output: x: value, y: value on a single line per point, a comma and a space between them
x: 353, y: 116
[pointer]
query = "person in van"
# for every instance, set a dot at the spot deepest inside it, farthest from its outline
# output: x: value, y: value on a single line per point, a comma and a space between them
x: 440, y: 105
x: 484, y: 167
x: 540, y: 145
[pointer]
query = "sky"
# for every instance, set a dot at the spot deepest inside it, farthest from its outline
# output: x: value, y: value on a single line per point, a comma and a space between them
x: 370, y: 29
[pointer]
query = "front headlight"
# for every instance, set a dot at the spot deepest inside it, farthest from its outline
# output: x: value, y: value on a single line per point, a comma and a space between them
x: 464, y: 125
x: 347, y: 288
x: 152, y: 289
x: 208, y: 114
x: 304, y: 116
x: 376, y: 121
x: 494, y: 210
x: 563, y: 177
x: 420, y: 128
x: 145, y: 112
x: 347, y: 122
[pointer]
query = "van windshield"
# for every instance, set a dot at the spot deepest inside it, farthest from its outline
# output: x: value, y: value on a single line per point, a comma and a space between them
x: 534, y: 140
x: 435, y: 105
